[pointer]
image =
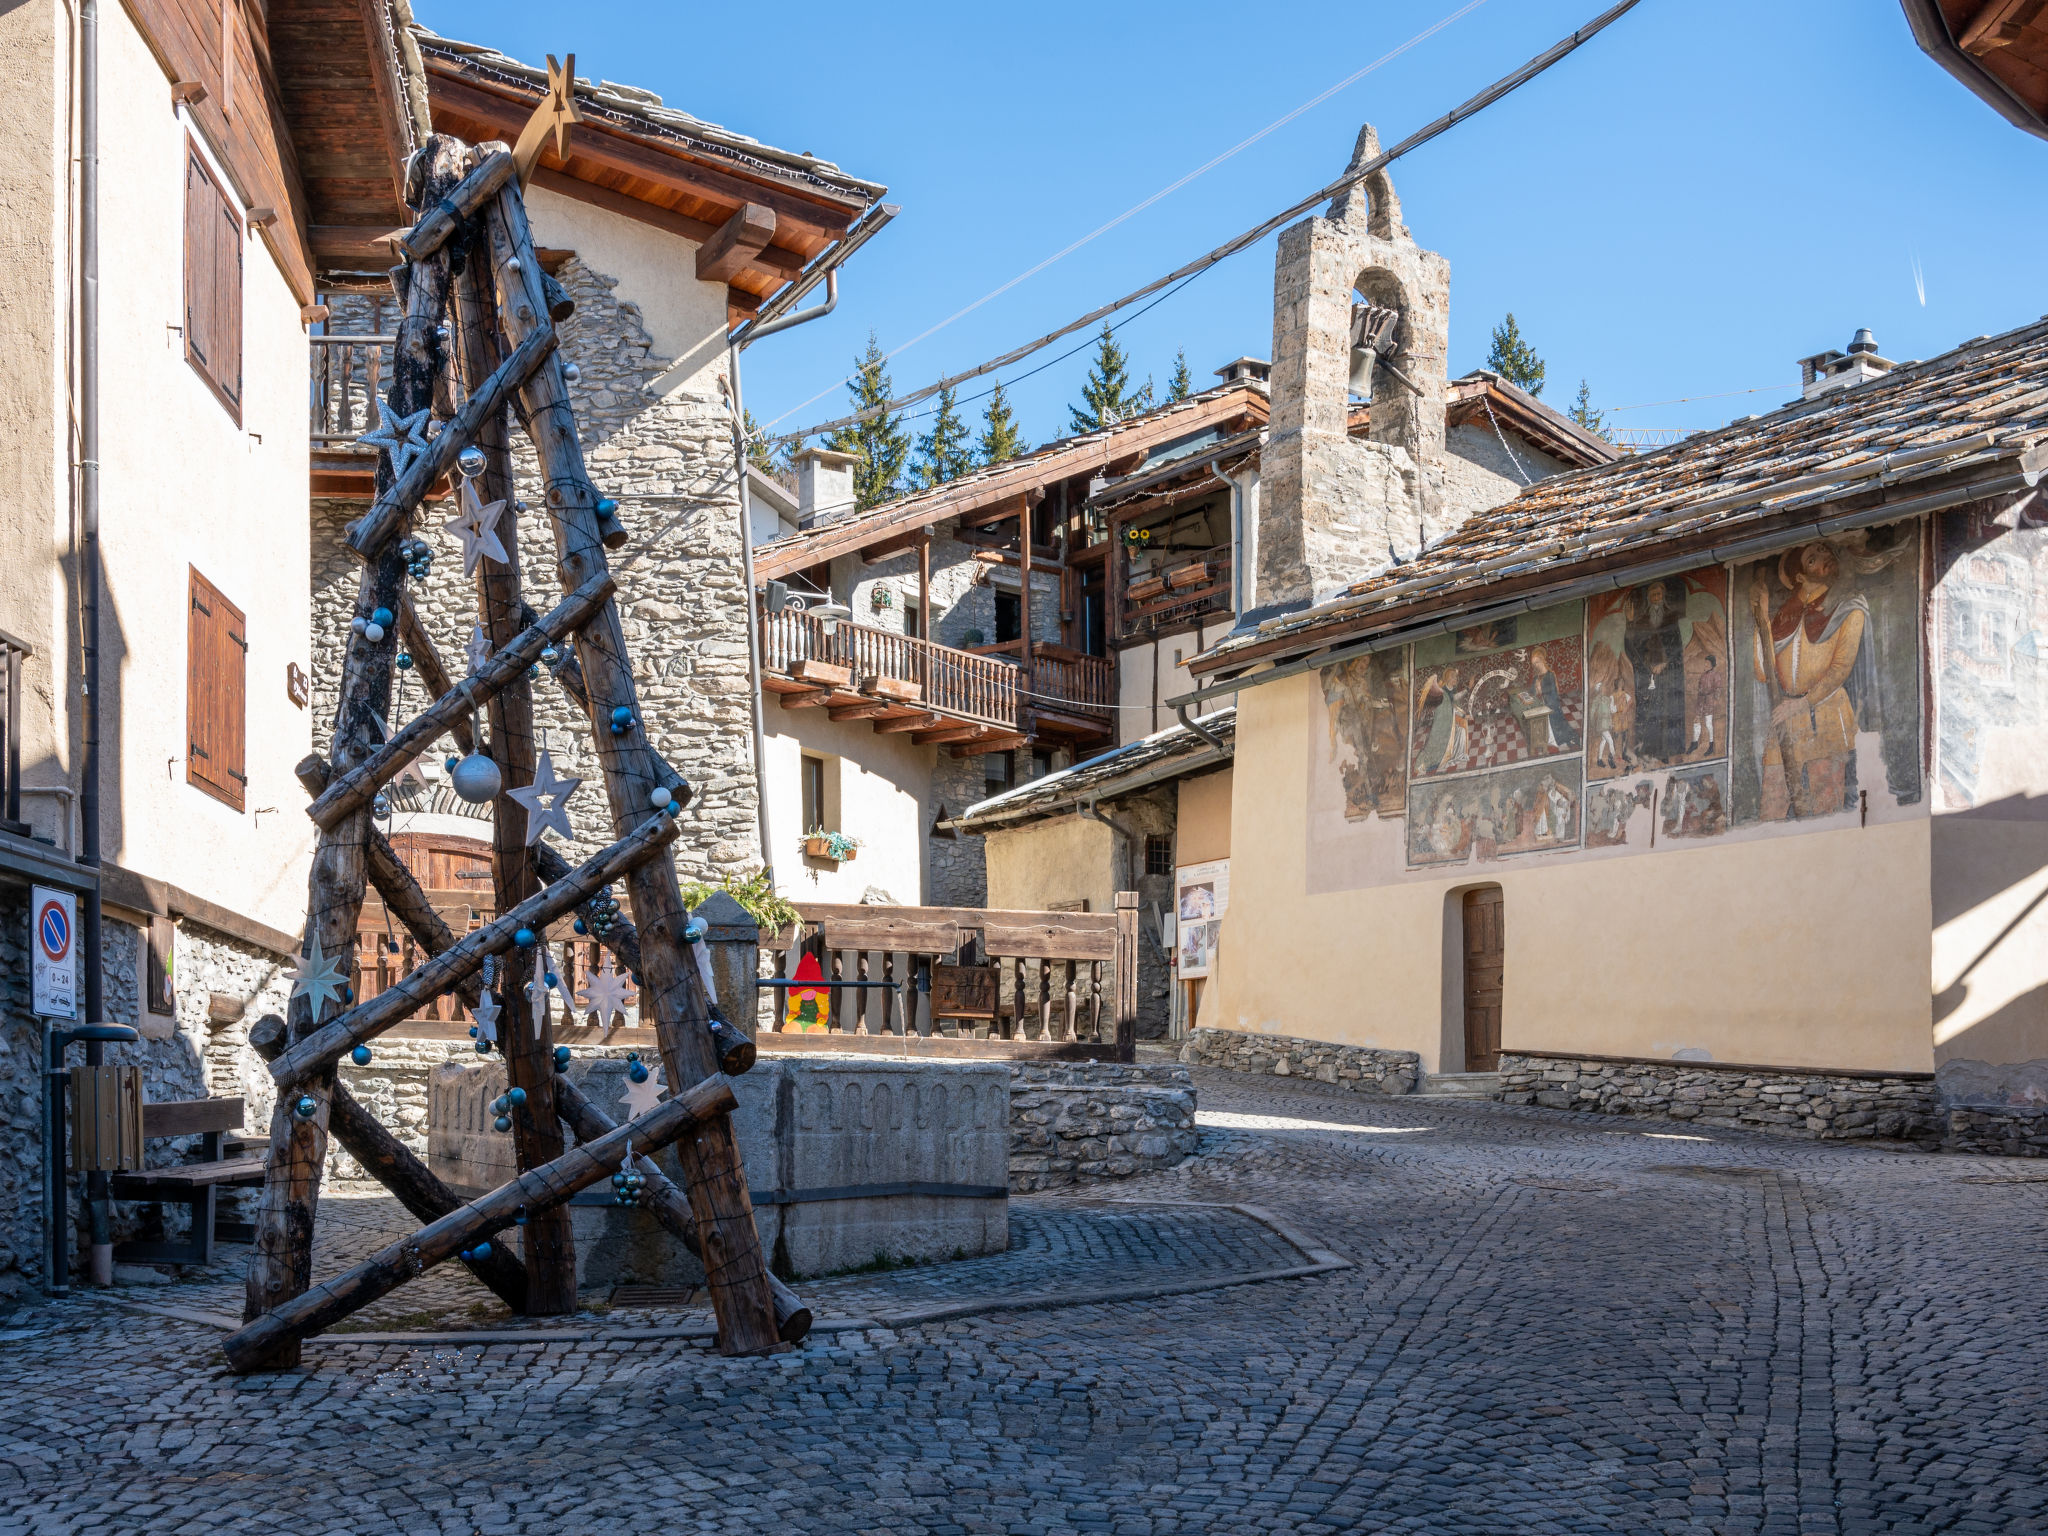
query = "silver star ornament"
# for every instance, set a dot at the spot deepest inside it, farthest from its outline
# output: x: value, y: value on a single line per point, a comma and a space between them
x: 318, y: 978
x: 477, y: 526
x: 642, y: 1097
x: 486, y: 1015
x: 605, y: 993
x: 555, y: 791
x: 403, y: 437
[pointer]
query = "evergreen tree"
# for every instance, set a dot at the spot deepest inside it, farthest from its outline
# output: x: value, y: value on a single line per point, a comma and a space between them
x: 1107, y: 398
x: 1583, y: 413
x: 944, y: 452
x: 882, y: 441
x: 758, y: 453
x: 1514, y: 359
x: 1000, y: 438
x: 1180, y: 386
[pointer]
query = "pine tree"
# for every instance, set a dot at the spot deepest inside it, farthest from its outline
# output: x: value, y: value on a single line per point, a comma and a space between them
x: 882, y: 441
x: 1583, y: 413
x: 1107, y: 398
x: 1514, y: 359
x: 758, y: 453
x: 1180, y: 386
x: 944, y: 452
x: 1000, y: 438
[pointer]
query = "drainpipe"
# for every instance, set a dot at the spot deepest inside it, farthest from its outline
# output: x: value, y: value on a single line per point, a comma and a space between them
x: 96, y: 1184
x: 1244, y: 520
x: 739, y: 450
x: 1180, y: 711
x: 1087, y: 808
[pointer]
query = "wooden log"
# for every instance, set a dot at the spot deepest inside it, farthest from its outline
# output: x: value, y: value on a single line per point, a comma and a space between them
x: 370, y: 532
x: 320, y: 1049
x: 427, y: 660
x: 383, y: 1272
x: 391, y: 1163
x: 524, y: 1038
x: 670, y: 1205
x: 439, y: 222
x: 672, y: 995
x: 281, y: 1262
x: 506, y: 667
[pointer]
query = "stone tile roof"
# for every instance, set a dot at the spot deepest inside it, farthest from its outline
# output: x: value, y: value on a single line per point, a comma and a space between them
x: 1982, y: 403
x: 1163, y: 755
x: 643, y: 112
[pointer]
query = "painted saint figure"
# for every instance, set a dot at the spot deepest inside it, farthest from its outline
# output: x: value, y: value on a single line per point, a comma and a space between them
x: 1815, y: 637
x: 1449, y: 723
x: 1654, y: 643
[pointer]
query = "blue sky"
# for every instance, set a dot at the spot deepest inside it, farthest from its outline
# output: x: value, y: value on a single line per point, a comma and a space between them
x: 1700, y: 196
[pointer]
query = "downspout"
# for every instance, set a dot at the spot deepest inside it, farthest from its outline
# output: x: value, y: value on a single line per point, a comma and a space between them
x: 1244, y: 524
x: 739, y: 449
x: 97, y: 1185
x: 1180, y: 710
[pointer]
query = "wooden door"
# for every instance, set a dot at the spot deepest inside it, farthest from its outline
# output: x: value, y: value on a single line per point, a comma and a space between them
x: 1483, y: 948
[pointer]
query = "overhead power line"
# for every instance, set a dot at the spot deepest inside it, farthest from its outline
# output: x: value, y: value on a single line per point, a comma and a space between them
x: 1473, y: 106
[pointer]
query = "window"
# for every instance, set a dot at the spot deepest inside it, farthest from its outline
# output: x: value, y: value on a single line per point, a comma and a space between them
x: 913, y: 619
x: 1158, y: 855
x: 213, y: 283
x: 1009, y: 617
x: 814, y: 792
x: 1041, y: 762
x: 997, y: 772
x: 1094, y: 608
x: 216, y: 678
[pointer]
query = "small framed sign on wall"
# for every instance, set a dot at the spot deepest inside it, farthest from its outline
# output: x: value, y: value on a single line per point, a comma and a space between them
x: 297, y: 687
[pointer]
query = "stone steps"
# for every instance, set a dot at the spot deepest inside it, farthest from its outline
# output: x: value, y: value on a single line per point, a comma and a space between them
x: 1462, y: 1085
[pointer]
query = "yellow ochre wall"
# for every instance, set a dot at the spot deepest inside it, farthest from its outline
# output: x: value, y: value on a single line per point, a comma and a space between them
x: 1809, y: 950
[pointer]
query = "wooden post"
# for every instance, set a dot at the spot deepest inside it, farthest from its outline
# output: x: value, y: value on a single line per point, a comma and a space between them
x: 671, y: 994
x: 1126, y: 975
x: 257, y: 1345
x: 1029, y: 684
x: 281, y: 1264
x: 524, y: 1039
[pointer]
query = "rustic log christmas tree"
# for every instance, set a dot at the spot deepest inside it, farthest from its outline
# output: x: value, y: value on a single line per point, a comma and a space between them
x: 477, y: 337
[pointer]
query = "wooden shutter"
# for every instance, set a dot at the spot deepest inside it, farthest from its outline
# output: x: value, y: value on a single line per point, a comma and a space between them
x: 216, y: 694
x: 213, y: 282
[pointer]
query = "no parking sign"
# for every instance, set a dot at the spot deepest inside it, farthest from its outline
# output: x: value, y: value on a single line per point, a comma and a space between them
x: 53, y: 946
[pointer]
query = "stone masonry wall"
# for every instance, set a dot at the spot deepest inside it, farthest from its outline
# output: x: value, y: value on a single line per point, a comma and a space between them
x: 682, y: 597
x: 957, y: 867
x: 21, y: 1110
x: 1825, y: 1106
x: 1362, y: 1069
x: 1075, y: 1121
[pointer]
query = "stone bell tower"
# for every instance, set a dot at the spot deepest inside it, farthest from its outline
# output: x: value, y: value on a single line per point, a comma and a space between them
x: 1360, y: 311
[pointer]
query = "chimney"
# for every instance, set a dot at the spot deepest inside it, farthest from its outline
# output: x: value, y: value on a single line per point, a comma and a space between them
x: 1358, y: 309
x: 824, y: 485
x: 1825, y: 372
x: 1246, y: 370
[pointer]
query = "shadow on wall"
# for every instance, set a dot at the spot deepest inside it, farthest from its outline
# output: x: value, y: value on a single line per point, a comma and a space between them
x: 1990, y: 914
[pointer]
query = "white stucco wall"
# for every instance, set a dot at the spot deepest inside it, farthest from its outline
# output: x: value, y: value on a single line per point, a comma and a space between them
x: 1144, y: 707
x: 876, y: 788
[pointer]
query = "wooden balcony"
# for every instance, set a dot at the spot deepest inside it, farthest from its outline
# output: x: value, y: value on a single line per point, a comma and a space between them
x: 970, y: 701
x: 348, y: 374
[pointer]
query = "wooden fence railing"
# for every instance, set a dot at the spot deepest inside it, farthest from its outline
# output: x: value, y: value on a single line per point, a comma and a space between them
x: 1060, y: 677
x: 348, y: 374
x: 953, y: 682
x: 1060, y: 985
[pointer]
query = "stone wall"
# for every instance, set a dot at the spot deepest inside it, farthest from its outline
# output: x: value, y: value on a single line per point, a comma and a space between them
x: 1829, y: 1106
x: 682, y: 598
x: 21, y: 1110
x: 1996, y: 1131
x: 1360, y: 1068
x: 956, y: 867
x: 1076, y: 1121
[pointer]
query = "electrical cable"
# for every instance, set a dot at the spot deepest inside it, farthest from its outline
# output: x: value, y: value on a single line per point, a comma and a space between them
x: 1351, y: 177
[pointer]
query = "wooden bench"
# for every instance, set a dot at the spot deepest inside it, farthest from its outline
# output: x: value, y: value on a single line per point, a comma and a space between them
x: 222, y: 1163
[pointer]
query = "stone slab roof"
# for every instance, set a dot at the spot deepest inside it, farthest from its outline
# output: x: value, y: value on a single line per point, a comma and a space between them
x: 1981, y: 404
x: 1164, y: 755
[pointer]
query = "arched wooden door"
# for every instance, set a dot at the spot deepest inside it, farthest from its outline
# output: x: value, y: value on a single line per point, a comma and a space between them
x: 455, y: 872
x: 1484, y: 943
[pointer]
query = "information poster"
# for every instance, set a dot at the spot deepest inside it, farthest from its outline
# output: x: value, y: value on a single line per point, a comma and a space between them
x: 53, y: 944
x: 1201, y: 895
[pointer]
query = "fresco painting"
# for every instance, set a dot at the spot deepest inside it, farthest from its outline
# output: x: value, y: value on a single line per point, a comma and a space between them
x: 1694, y: 802
x: 1992, y: 634
x: 1533, y: 808
x: 1828, y: 639
x: 1367, y: 700
x: 1502, y: 693
x: 1608, y: 808
x: 1657, y: 674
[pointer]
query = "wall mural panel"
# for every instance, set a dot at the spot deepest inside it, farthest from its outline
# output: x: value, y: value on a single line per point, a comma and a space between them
x: 1719, y: 703
x: 1991, y: 564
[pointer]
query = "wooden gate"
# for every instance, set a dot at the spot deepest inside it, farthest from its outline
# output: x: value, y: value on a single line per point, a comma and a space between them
x: 1484, y: 945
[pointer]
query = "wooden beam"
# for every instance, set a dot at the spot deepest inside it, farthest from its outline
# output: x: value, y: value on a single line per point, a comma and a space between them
x: 670, y: 1206
x: 721, y: 258
x: 366, y: 536
x: 335, y: 1039
x: 919, y: 722
x: 383, y: 1272
x: 355, y: 788
x: 863, y: 711
x: 771, y: 261
x: 439, y: 222
x: 419, y: 645
x: 1998, y: 24
x: 362, y: 247
x: 951, y: 733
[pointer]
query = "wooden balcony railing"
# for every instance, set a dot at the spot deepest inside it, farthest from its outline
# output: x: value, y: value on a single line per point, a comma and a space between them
x: 348, y: 374
x: 1063, y: 678
x: 978, y: 688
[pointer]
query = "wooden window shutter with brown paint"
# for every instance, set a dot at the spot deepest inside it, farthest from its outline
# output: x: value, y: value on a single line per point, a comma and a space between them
x: 216, y: 695
x: 213, y: 282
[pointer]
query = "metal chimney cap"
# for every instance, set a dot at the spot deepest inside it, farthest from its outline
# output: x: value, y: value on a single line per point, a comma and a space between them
x: 1864, y: 341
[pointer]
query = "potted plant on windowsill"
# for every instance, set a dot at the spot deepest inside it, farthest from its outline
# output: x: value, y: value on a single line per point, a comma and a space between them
x: 839, y: 847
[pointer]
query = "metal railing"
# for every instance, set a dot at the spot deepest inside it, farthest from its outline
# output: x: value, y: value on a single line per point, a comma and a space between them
x: 950, y: 682
x: 348, y: 373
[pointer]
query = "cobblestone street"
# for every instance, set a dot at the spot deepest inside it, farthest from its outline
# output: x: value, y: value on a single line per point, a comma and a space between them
x: 1551, y: 1323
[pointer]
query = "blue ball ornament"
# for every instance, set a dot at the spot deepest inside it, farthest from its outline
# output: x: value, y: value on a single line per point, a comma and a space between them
x: 503, y: 1123
x: 383, y: 616
x: 551, y: 980
x: 483, y: 1047
x: 450, y: 761
x: 517, y: 1096
x: 481, y: 1251
x: 500, y: 1105
x: 580, y: 926
x: 472, y: 1032
x: 562, y: 1054
x: 606, y: 506
x: 637, y: 1072
x: 525, y: 938
x: 307, y: 1107
x: 405, y: 661
x: 360, y: 1055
